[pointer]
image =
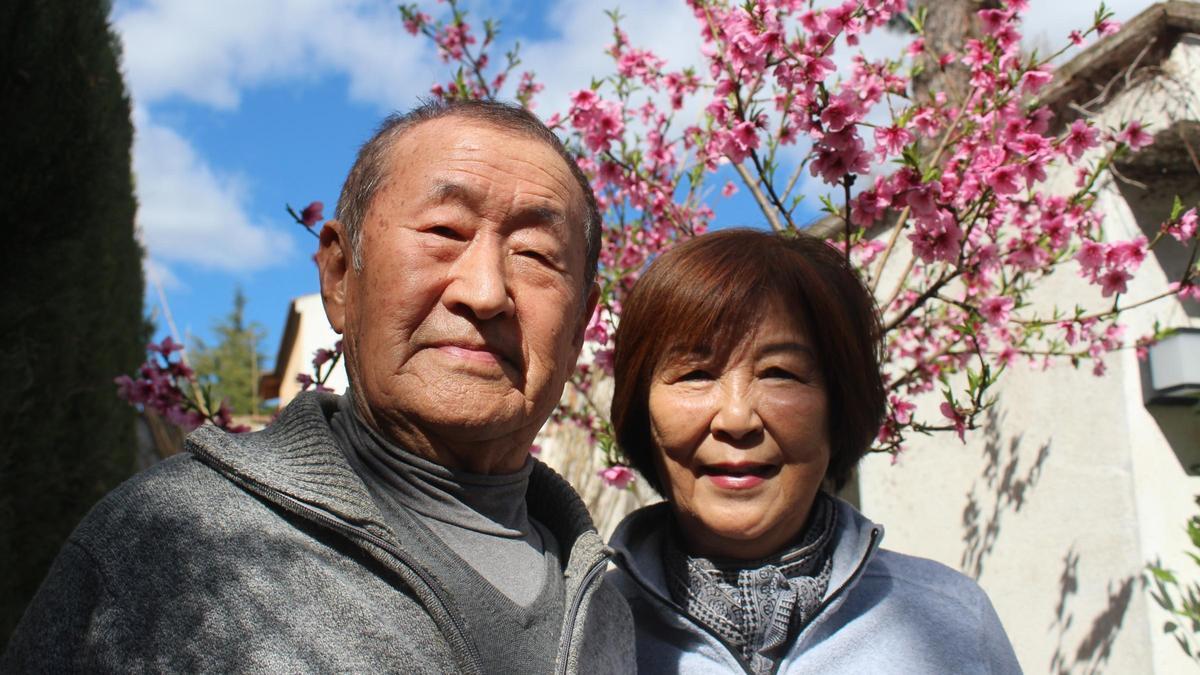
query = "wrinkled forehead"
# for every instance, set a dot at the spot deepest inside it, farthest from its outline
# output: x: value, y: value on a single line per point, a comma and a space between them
x: 479, y: 150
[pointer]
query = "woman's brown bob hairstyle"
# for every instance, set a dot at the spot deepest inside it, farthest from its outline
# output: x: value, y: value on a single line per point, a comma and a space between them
x: 704, y: 296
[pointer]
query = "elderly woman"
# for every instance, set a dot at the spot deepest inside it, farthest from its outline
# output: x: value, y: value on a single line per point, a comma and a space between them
x: 747, y: 388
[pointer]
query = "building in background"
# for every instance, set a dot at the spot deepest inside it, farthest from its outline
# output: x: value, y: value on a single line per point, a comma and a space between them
x: 305, y: 331
x: 1075, y: 483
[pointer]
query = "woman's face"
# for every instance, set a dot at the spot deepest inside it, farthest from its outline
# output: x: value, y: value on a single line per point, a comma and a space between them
x: 742, y: 446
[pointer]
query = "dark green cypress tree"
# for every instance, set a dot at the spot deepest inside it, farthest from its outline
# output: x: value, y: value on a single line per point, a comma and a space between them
x: 70, y: 281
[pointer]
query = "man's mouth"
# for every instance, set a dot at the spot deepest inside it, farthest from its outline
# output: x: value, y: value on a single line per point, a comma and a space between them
x: 475, y: 353
x: 481, y: 354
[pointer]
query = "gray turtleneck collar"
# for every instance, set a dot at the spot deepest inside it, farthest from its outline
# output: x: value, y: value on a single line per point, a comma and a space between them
x: 482, y: 518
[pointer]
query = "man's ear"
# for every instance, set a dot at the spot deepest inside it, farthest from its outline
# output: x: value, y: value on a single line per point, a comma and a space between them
x: 334, y: 257
x: 592, y: 298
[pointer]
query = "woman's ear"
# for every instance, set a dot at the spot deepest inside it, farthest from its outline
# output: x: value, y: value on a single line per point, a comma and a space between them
x: 334, y: 263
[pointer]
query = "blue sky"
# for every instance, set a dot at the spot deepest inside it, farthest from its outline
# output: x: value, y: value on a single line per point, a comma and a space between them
x: 242, y: 107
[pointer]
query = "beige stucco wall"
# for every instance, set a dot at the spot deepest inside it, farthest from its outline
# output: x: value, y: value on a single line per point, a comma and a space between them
x: 1073, y: 485
x: 313, y: 333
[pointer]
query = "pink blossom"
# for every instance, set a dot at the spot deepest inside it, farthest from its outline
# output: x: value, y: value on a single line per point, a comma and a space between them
x: 1108, y: 27
x: 1184, y: 228
x: 994, y: 20
x: 453, y: 39
x: 729, y: 190
x: 1004, y: 180
x: 1135, y: 136
x: 902, y: 410
x: 1076, y: 38
x: 414, y: 22
x: 1033, y: 80
x: 1113, y: 281
x: 617, y: 476
x: 584, y: 99
x: 1126, y: 254
x: 166, y: 347
x: 1070, y: 331
x: 321, y: 357
x: 996, y: 310
x: 185, y: 419
x: 891, y: 140
x: 312, y: 214
x: 938, y: 238
x: 838, y: 113
x: 976, y: 54
x: 597, y: 328
x: 960, y: 422
x: 1190, y: 289
x: 603, y: 359
x: 926, y: 121
x: 1079, y: 138
x: 1091, y: 255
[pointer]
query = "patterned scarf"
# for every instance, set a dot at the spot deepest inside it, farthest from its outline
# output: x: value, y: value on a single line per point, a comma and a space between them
x: 756, y: 606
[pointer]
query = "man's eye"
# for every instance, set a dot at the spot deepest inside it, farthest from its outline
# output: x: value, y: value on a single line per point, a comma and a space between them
x: 446, y: 232
x: 536, y: 256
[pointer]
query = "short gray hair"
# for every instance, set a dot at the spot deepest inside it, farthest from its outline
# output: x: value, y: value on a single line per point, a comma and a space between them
x: 365, y: 176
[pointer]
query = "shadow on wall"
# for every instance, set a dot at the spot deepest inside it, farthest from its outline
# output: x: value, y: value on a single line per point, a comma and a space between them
x: 1093, y: 651
x: 1002, y: 485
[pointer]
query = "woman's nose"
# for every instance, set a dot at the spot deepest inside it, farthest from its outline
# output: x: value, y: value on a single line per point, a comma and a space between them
x: 737, y: 415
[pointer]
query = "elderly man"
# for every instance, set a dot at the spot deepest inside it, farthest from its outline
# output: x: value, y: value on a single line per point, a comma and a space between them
x: 403, y: 526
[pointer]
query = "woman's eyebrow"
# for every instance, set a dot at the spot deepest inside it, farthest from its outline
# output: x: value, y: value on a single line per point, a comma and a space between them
x: 787, y: 346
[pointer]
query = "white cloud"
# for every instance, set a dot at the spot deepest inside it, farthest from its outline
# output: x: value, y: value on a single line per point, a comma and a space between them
x: 187, y: 212
x: 208, y: 52
x: 569, y: 61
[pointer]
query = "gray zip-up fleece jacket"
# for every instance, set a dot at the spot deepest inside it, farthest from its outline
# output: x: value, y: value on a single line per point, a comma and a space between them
x: 264, y: 552
x: 883, y: 612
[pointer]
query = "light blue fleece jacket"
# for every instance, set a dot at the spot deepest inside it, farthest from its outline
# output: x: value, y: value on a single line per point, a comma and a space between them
x: 884, y: 612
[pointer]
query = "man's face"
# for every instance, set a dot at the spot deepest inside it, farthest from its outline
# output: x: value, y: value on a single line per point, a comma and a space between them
x: 468, y: 313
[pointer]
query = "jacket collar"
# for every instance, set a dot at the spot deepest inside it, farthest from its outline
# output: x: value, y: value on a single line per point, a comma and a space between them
x: 638, y: 542
x: 297, y: 456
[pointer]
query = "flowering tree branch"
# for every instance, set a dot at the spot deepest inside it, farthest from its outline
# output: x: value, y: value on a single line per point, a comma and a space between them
x: 962, y: 180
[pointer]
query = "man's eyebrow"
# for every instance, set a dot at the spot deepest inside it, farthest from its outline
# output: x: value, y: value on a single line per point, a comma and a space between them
x: 446, y: 191
x: 540, y: 215
x: 533, y: 214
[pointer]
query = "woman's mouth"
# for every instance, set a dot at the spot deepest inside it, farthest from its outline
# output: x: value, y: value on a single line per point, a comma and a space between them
x: 739, y: 476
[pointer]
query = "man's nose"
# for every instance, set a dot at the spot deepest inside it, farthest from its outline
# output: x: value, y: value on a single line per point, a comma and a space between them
x: 479, y: 281
x: 737, y: 413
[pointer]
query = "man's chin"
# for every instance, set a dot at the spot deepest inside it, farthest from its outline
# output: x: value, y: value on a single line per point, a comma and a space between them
x: 465, y: 414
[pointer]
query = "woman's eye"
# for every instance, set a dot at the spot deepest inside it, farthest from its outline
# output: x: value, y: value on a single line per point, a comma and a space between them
x: 696, y: 375
x: 780, y: 374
